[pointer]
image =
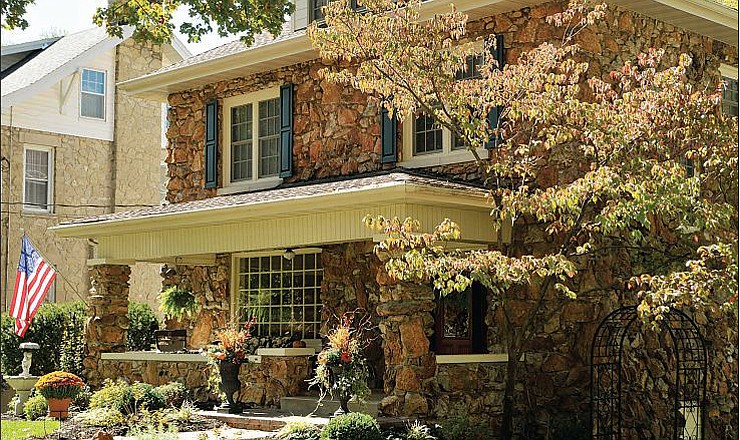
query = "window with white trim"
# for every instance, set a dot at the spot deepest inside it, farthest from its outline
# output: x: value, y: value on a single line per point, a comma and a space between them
x: 92, y: 94
x: 38, y: 166
x: 730, y: 96
x: 282, y: 295
x: 426, y: 143
x: 252, y: 139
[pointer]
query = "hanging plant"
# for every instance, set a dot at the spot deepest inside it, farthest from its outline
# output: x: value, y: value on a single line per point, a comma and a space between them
x: 176, y: 303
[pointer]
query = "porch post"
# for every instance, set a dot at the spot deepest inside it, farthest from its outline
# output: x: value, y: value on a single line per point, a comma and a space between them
x: 406, y: 324
x: 105, y: 329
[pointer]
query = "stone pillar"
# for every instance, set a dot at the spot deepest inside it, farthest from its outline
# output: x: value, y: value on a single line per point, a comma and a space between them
x: 105, y: 329
x: 406, y: 324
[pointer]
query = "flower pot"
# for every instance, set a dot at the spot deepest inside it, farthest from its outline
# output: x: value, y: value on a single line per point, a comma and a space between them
x: 230, y: 385
x: 58, y: 408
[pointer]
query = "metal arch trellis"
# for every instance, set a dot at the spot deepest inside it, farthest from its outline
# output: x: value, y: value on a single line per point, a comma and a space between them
x: 606, y: 375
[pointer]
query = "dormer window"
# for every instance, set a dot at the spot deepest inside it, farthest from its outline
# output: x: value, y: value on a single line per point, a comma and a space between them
x: 92, y: 94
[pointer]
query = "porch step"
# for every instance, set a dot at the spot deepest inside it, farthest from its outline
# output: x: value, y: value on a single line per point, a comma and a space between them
x: 307, y: 404
x: 260, y: 419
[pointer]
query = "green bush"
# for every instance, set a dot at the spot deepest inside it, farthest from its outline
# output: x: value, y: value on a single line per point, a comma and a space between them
x: 299, y: 431
x: 82, y: 401
x: 462, y: 428
x: 110, y: 396
x: 35, y: 407
x: 142, y: 324
x: 174, y: 393
x: 355, y: 426
x: 58, y: 329
x: 140, y: 396
x: 104, y: 417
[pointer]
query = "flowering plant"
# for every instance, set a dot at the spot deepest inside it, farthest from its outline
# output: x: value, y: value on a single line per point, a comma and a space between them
x: 231, y: 345
x: 342, y: 367
x: 59, y: 385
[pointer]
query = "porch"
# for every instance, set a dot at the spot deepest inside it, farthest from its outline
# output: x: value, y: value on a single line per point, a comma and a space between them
x: 230, y: 251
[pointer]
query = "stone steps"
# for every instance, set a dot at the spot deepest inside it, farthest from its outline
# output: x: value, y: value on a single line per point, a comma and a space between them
x: 307, y: 404
x: 258, y: 419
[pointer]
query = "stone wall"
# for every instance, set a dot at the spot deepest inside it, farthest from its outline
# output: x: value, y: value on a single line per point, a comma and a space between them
x: 336, y: 131
x: 210, y: 284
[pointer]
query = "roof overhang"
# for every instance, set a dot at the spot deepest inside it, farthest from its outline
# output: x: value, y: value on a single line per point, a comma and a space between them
x: 293, y: 223
x: 701, y: 16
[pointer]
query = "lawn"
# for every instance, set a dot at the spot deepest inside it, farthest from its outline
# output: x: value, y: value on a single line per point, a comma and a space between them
x: 21, y: 429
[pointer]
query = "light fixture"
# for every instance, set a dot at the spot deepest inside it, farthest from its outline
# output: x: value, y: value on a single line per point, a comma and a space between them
x: 289, y: 254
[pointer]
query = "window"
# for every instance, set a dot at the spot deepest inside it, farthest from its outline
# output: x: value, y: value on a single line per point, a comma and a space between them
x: 425, y: 143
x: 730, y: 96
x: 282, y: 295
x: 252, y: 140
x: 37, y: 178
x: 459, y: 324
x: 315, y: 9
x: 92, y: 94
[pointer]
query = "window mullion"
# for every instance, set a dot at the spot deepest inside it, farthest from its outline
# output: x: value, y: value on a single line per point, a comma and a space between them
x: 255, y: 140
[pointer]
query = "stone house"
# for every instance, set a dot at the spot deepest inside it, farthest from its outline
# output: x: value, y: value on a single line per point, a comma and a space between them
x: 271, y: 170
x: 74, y: 145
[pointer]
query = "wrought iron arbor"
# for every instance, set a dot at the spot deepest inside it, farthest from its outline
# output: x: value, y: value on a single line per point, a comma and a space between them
x: 607, y: 375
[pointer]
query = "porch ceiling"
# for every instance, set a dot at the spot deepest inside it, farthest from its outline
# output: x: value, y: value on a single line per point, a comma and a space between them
x: 291, y: 216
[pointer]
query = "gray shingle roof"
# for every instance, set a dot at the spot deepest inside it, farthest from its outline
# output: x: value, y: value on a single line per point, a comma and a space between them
x: 232, y: 48
x: 284, y: 193
x: 53, y: 59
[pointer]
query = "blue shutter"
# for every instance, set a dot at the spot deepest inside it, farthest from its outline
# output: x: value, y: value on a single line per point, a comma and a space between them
x: 493, y: 115
x: 388, y: 137
x: 211, y: 165
x: 286, y: 130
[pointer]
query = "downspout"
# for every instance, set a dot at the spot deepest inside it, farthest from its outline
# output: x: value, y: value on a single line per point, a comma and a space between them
x: 7, y: 223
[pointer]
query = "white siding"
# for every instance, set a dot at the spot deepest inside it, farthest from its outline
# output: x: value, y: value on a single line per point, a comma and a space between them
x: 42, y: 111
x: 300, y: 16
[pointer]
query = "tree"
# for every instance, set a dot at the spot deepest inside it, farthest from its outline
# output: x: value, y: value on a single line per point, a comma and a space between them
x: 153, y: 20
x: 646, y: 166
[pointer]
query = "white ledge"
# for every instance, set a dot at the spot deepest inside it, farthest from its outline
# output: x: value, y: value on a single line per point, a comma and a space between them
x: 286, y: 351
x: 154, y: 356
x: 472, y: 358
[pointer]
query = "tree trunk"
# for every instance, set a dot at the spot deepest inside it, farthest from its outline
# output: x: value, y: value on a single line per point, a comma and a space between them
x: 507, y: 421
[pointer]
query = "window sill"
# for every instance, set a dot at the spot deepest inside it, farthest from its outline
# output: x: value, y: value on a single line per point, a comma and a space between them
x: 36, y: 212
x: 429, y: 160
x: 472, y: 358
x: 252, y: 185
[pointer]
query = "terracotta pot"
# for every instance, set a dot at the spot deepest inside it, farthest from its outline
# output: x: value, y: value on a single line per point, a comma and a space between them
x: 58, y: 408
x: 299, y: 344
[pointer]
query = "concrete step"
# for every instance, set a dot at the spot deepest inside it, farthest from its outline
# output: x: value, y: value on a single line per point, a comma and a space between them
x: 260, y: 419
x: 307, y: 404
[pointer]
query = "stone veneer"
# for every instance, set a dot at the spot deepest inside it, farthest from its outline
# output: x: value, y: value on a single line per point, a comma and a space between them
x: 105, y: 329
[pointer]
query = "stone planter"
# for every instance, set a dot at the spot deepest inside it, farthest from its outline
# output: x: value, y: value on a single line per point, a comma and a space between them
x: 58, y: 408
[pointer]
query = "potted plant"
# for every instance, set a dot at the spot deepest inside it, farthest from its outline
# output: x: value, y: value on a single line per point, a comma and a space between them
x: 175, y: 303
x: 342, y: 370
x: 227, y: 355
x: 59, y: 388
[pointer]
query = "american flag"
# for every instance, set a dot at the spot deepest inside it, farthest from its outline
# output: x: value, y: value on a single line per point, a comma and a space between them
x: 32, y: 281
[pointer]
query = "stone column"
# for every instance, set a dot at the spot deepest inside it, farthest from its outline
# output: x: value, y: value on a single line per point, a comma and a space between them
x: 406, y: 324
x: 105, y: 329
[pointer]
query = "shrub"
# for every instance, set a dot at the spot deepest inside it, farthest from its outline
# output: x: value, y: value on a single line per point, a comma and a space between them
x: 59, y: 385
x: 140, y: 396
x: 141, y: 327
x: 462, y: 428
x: 35, y: 407
x: 419, y: 431
x: 82, y: 401
x: 355, y: 426
x: 57, y: 328
x: 299, y: 431
x: 104, y: 417
x: 174, y: 393
x: 110, y: 396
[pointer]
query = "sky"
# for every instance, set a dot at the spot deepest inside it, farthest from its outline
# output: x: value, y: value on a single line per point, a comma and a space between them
x: 51, y: 16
